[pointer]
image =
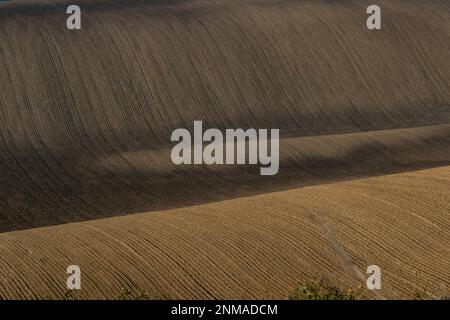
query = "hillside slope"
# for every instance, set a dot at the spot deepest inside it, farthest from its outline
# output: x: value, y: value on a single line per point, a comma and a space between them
x: 86, y: 116
x: 252, y: 247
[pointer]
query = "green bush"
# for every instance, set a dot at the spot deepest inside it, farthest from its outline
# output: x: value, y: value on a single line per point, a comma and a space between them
x: 321, y: 291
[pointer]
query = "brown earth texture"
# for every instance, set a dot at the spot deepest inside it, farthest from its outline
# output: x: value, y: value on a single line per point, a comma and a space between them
x: 86, y: 176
